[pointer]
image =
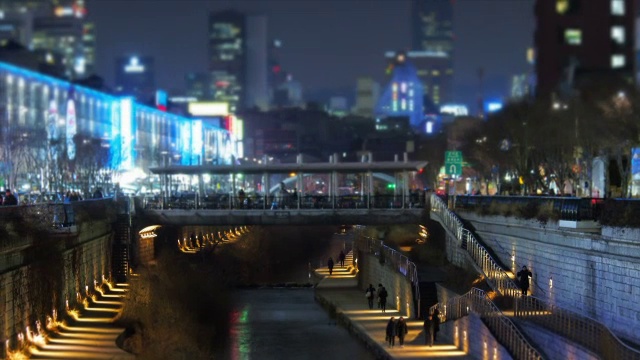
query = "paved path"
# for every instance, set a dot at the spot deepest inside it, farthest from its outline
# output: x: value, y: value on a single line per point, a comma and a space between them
x: 91, y: 335
x: 340, y: 290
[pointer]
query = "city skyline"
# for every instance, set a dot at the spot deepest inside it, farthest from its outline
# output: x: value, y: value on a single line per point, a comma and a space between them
x: 323, y: 58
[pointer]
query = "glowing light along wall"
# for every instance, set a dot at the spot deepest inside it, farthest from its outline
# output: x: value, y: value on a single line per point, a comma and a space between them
x: 126, y: 134
x: 71, y: 128
x: 197, y: 143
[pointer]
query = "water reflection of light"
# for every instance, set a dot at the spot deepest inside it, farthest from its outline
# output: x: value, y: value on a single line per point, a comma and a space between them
x: 240, y: 334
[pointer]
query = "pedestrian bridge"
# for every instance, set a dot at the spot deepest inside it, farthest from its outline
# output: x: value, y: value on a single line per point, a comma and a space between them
x: 403, y: 202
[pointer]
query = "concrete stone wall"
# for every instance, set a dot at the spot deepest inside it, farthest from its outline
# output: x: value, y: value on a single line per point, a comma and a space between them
x: 86, y: 257
x: 469, y: 334
x: 595, y: 275
x: 371, y: 271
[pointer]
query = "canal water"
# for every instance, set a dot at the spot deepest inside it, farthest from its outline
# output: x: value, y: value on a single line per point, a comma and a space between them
x: 286, y: 323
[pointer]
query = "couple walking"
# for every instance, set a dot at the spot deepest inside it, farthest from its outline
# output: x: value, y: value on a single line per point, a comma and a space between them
x: 396, y: 328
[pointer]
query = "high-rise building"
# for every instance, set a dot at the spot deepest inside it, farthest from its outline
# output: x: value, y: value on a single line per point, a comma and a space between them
x: 433, y: 47
x: 238, y: 59
x: 403, y: 96
x: 135, y: 76
x: 575, y: 39
x: 367, y: 94
x: 434, y: 71
x: 56, y: 26
x: 198, y: 86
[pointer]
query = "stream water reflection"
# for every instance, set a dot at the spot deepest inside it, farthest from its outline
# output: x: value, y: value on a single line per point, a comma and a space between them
x: 281, y: 323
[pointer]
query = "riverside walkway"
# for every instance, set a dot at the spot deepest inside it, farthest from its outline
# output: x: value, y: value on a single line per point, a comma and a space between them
x: 339, y: 293
x: 89, y: 335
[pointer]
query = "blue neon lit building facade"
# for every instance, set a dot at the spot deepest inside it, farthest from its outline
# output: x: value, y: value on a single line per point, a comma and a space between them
x: 404, y: 94
x: 50, y: 128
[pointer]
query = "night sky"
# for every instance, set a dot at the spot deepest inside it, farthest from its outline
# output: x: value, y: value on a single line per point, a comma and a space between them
x: 327, y: 44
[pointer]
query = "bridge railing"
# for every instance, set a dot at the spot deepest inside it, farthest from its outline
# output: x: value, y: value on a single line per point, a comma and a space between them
x: 274, y: 202
x: 497, y: 277
x: 564, y: 208
x: 16, y: 221
x: 505, y: 331
x: 581, y: 329
x: 395, y: 259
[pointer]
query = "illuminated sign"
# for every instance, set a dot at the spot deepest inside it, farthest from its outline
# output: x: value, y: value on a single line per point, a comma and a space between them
x: 161, y: 100
x: 454, y: 109
x: 71, y: 129
x: 493, y: 106
x: 134, y: 66
x: 209, y: 108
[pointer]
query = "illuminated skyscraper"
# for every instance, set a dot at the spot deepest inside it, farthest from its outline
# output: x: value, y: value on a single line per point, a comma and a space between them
x: 238, y: 59
x: 432, y: 45
x: 57, y: 26
x: 403, y: 96
x: 135, y: 76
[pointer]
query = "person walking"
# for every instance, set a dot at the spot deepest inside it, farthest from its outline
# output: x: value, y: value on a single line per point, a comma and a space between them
x: 523, y: 276
x: 383, y: 299
x: 391, y: 332
x: 435, y: 322
x: 379, y: 291
x: 428, y: 330
x: 341, y: 258
x: 330, y: 265
x: 401, y: 330
x: 370, y: 294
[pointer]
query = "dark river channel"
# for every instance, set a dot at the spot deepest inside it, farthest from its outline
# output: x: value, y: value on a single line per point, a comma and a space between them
x: 272, y: 322
x: 283, y: 323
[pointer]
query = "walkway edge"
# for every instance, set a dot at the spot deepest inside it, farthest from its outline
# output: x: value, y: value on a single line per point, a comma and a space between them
x: 354, y: 328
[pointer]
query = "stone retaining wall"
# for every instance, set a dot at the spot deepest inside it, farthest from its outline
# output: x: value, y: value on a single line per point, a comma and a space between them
x: 597, y: 276
x: 399, y: 288
x: 86, y: 257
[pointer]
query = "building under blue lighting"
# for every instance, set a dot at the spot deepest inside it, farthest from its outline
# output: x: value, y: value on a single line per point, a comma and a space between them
x: 57, y: 134
x: 404, y: 95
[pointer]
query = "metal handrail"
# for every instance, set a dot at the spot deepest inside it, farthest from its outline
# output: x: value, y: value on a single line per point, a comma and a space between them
x: 581, y: 329
x: 399, y: 262
x: 505, y: 331
x: 565, y: 322
x: 497, y: 277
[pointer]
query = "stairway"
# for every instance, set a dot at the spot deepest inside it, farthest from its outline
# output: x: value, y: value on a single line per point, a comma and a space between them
x: 89, y: 334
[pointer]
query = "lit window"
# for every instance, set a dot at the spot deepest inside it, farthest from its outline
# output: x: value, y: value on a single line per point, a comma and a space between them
x: 617, y: 34
x: 573, y: 36
x: 617, y: 61
x: 617, y: 7
x: 562, y: 6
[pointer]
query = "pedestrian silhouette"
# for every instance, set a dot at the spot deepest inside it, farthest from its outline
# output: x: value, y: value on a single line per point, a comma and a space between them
x: 330, y: 266
x: 341, y: 258
x: 391, y: 332
x: 383, y: 299
x: 401, y: 330
x: 370, y: 294
x: 435, y: 321
x: 428, y: 330
x: 523, y: 276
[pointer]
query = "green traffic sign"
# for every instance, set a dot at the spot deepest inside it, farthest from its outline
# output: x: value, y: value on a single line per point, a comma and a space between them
x: 453, y: 162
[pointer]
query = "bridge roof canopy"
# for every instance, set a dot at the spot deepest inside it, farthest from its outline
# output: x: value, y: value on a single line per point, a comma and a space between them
x: 307, y: 168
